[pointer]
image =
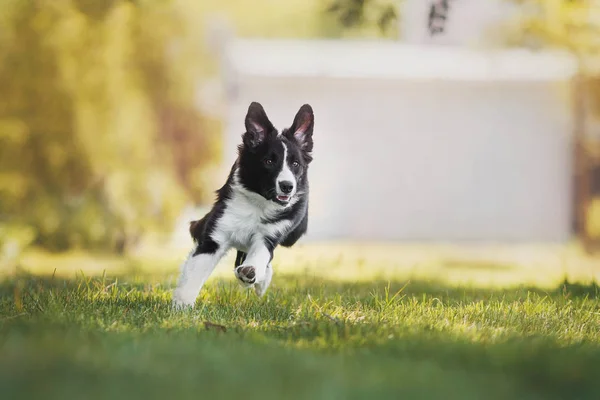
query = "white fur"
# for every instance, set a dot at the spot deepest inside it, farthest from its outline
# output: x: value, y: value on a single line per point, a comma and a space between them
x: 285, y: 174
x: 261, y: 287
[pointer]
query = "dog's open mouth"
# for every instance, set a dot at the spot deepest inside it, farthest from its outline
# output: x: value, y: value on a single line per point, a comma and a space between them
x: 284, y: 199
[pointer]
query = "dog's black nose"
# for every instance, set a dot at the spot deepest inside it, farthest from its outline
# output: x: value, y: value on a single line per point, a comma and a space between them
x: 286, y: 186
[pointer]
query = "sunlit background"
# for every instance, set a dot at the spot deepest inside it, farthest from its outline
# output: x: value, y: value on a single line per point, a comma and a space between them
x: 444, y: 129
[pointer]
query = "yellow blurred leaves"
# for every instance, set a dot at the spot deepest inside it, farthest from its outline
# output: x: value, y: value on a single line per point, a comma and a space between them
x: 98, y: 125
x: 13, y: 185
x: 570, y: 24
x: 12, y: 130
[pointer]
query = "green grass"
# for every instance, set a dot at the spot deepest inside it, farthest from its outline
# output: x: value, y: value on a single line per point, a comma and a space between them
x: 313, y: 336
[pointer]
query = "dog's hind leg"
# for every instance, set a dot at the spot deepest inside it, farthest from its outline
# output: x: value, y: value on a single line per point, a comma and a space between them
x: 260, y: 288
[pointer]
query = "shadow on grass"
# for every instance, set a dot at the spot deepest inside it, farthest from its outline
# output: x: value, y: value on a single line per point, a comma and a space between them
x: 138, y: 280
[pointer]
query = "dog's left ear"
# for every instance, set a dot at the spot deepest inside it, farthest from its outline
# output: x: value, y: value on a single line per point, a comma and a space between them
x: 302, y: 129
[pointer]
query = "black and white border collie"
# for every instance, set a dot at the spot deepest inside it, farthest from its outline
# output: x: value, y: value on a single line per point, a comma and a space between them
x: 263, y: 204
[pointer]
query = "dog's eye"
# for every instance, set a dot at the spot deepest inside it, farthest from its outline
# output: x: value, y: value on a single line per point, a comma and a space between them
x: 268, y: 161
x: 295, y: 164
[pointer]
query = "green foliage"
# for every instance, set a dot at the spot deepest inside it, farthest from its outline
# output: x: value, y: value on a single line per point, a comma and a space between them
x: 307, y: 339
x: 377, y: 17
x: 100, y: 140
x: 569, y: 24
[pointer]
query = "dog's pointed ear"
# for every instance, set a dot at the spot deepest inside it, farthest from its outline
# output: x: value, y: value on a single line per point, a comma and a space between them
x: 258, y: 125
x: 302, y: 129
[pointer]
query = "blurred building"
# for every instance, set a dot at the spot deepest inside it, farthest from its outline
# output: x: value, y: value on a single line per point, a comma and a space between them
x: 435, y: 137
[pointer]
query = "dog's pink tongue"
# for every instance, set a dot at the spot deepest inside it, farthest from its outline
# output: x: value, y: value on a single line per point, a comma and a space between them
x: 282, y: 198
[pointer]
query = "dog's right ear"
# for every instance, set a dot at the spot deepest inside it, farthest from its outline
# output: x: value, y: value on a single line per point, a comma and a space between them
x: 258, y: 125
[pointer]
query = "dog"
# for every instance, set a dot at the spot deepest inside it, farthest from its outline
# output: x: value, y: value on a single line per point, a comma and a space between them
x: 263, y: 204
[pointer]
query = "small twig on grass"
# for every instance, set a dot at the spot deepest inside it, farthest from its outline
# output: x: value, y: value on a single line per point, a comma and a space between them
x: 334, y: 319
x: 217, y: 327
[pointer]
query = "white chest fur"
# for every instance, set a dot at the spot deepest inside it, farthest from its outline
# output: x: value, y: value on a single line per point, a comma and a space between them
x: 242, y: 221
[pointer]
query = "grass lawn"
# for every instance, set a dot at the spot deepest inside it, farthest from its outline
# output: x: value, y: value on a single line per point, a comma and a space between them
x: 339, y: 322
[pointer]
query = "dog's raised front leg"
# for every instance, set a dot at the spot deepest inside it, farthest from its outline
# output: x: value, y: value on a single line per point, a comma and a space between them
x: 254, y: 267
x: 194, y: 272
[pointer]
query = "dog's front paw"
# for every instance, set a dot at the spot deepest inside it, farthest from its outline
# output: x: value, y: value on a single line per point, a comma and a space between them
x: 246, y: 274
x: 182, y: 302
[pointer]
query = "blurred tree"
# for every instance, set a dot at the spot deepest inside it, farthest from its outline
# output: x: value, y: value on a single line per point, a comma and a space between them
x: 100, y: 139
x: 383, y: 14
x: 353, y: 14
x: 573, y: 25
x: 569, y: 24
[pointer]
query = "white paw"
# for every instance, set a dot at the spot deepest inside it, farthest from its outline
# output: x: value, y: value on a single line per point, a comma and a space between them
x: 246, y: 274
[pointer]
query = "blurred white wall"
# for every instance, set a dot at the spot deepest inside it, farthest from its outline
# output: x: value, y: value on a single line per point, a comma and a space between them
x: 405, y: 160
